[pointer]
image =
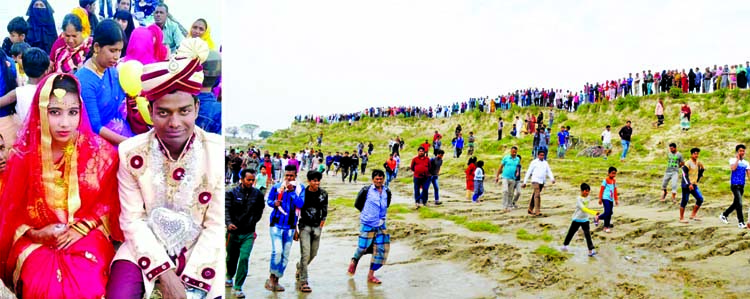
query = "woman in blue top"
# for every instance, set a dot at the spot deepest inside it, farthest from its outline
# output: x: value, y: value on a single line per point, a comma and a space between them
x: 100, y: 87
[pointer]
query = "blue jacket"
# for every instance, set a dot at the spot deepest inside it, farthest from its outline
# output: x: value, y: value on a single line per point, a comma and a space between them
x: 209, y: 115
x: 290, y: 202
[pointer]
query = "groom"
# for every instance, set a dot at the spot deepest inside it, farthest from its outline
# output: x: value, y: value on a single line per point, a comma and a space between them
x: 172, y: 197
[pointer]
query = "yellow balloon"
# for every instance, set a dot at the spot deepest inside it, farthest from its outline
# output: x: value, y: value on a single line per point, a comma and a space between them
x: 142, y: 105
x: 130, y: 77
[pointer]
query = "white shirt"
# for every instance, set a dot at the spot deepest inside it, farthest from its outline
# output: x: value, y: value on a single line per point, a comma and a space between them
x: 538, y: 171
x: 606, y: 136
x: 24, y: 97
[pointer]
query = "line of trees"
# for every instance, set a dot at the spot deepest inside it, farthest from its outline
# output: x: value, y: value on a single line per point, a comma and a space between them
x: 248, y: 129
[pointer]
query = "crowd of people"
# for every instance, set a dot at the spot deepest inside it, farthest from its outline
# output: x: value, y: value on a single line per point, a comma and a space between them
x: 647, y: 83
x: 101, y: 156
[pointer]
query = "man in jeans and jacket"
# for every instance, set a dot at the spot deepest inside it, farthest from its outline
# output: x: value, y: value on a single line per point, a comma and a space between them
x: 420, y: 165
x: 312, y: 219
x: 243, y: 209
x: 625, y: 134
x: 284, y: 199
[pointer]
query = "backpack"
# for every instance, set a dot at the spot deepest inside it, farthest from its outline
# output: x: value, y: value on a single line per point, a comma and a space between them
x: 359, y: 203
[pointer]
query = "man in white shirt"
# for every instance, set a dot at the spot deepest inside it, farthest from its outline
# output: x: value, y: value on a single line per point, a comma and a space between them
x: 519, y: 126
x: 607, y: 142
x: 538, y: 171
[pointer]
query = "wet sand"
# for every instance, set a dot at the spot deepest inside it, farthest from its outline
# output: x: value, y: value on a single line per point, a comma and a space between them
x: 407, y: 273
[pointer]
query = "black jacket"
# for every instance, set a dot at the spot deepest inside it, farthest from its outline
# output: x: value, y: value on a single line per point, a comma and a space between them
x: 243, y: 208
x: 626, y: 133
x: 314, y: 210
x: 345, y: 162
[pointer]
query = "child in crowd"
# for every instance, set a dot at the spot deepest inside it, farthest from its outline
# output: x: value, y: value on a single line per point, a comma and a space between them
x: 581, y: 220
x: 16, y: 52
x: 608, y: 195
x: 17, y: 29
x: 478, y: 182
x: 514, y: 131
x: 261, y: 180
x: 36, y: 64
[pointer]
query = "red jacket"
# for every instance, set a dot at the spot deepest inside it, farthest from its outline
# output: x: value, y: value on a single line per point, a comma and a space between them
x: 420, y: 166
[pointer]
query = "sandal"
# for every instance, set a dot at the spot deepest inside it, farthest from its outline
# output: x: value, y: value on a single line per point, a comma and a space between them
x: 684, y: 221
x: 352, y: 268
x: 273, y: 287
x: 305, y: 288
x: 373, y: 279
x: 530, y: 212
x: 695, y: 219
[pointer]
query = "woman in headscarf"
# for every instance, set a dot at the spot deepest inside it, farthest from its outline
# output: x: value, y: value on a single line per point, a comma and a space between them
x: 684, y: 81
x: 125, y: 19
x: 201, y: 30
x: 146, y: 46
x: 42, y: 31
x: 70, y: 50
x: 100, y: 85
x: 55, y: 228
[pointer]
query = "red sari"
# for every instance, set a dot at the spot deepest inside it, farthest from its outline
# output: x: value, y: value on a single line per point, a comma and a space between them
x: 470, y: 176
x: 684, y: 83
x: 81, y: 187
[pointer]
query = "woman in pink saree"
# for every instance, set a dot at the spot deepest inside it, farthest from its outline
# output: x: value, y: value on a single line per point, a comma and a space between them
x: 146, y: 45
x: 59, y: 218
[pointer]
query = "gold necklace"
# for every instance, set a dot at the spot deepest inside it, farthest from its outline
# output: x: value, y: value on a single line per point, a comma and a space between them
x: 96, y: 68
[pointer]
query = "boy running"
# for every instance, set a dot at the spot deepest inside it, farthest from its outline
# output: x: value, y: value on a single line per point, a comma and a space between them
x: 581, y: 220
x: 608, y: 194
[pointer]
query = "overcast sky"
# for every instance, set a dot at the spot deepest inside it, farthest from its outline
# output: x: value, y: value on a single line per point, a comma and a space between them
x: 322, y: 57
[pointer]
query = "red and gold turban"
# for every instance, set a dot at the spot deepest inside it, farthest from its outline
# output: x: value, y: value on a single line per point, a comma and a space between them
x: 182, y: 72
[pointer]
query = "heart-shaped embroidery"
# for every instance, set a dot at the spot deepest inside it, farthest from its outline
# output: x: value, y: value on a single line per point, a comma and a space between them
x: 173, y: 229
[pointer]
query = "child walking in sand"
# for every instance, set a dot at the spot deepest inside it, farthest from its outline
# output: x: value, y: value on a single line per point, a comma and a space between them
x: 608, y: 195
x: 581, y: 220
x: 478, y: 182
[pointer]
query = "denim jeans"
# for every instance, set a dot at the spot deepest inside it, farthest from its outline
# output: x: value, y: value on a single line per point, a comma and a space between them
x: 108, y: 3
x: 434, y: 181
x: 281, y: 245
x: 422, y: 184
x: 625, y: 147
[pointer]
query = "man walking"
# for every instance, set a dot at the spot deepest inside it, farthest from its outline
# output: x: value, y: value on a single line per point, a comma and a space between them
x: 312, y: 219
x: 508, y: 170
x: 672, y: 174
x: 243, y: 209
x: 538, y: 171
x: 500, y: 129
x: 420, y: 166
x: 435, y: 164
x: 562, y: 143
x: 740, y: 170
x: 373, y: 202
x: 344, y: 165
x: 459, y: 145
x: 363, y: 161
x: 692, y: 172
x: 607, y: 141
x: 284, y: 199
x: 625, y: 134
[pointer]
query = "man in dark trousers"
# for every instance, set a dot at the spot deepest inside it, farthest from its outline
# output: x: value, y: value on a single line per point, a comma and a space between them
x: 344, y: 164
x: 625, y: 133
x: 420, y: 166
x: 243, y: 209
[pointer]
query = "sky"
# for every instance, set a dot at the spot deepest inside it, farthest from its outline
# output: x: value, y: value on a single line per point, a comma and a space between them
x: 321, y: 57
x: 185, y: 11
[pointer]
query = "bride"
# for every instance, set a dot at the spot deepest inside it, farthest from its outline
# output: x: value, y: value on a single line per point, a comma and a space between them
x: 59, y: 209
